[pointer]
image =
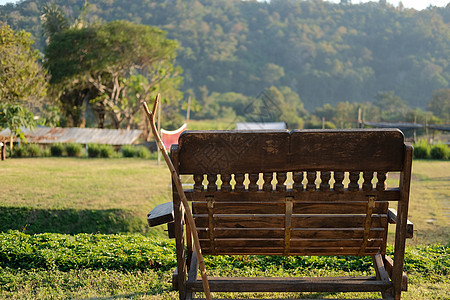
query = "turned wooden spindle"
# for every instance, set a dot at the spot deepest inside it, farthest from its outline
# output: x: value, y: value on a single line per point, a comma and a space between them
x: 311, y: 177
x: 381, y: 184
x: 298, y: 178
x: 198, y: 183
x: 239, y: 178
x: 338, y: 178
x: 226, y: 186
x: 212, y: 185
x: 325, y: 178
x: 281, y: 178
x: 253, y: 178
x: 367, y: 184
x: 353, y: 186
x: 267, y: 185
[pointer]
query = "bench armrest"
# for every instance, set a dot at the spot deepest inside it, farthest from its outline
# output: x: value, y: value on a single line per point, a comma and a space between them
x: 392, y: 219
x: 161, y: 214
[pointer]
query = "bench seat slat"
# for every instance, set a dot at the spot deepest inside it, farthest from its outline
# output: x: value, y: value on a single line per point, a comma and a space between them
x: 291, y: 284
x: 319, y: 233
x: 298, y: 207
x: 336, y: 221
x: 303, y: 196
x: 298, y: 221
x: 330, y: 251
x: 295, y: 243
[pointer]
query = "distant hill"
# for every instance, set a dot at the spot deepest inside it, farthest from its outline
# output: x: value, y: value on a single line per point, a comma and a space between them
x: 324, y: 52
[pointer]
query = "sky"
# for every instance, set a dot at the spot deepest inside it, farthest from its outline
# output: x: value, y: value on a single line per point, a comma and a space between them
x: 417, y: 4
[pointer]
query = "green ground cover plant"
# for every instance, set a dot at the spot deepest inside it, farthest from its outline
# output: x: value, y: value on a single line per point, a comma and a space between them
x: 151, y: 259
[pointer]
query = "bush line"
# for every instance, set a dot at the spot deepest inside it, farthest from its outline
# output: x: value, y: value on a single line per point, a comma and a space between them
x: 77, y: 150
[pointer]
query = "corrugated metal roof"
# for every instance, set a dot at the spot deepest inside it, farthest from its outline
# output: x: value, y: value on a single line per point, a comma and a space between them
x: 46, y: 135
x: 260, y: 126
x: 408, y: 126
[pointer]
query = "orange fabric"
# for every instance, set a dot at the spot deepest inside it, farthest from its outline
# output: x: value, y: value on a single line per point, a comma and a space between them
x: 171, y: 137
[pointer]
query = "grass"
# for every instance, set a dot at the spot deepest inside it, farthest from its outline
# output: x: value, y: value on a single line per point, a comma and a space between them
x: 45, y: 189
x: 430, y: 201
x: 89, y: 265
x: 72, y: 195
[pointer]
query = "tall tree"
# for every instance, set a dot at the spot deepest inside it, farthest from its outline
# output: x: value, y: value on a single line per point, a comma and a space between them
x: 121, y: 64
x: 22, y: 81
x: 53, y: 20
x: 22, y: 78
x: 440, y: 104
x: 15, y: 117
x: 392, y: 107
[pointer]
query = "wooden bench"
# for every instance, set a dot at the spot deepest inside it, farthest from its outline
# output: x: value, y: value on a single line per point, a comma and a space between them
x: 304, y: 193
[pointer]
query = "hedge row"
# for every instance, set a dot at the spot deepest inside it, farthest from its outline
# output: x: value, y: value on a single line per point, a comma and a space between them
x: 77, y: 150
x: 423, y: 150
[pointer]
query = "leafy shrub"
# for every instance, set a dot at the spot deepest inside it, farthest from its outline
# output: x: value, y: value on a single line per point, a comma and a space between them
x: 440, y: 151
x: 26, y: 150
x: 106, y: 151
x: 20, y: 151
x: 34, y: 150
x: 45, y: 152
x: 422, y: 149
x: 143, y: 152
x: 73, y: 150
x: 128, y: 151
x: 57, y: 149
x: 139, y: 151
x: 93, y: 150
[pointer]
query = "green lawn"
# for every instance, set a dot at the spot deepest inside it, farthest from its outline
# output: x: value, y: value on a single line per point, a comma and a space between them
x: 72, y: 195
x: 89, y: 195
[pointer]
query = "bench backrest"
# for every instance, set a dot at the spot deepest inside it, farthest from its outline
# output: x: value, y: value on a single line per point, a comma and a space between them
x: 304, y: 192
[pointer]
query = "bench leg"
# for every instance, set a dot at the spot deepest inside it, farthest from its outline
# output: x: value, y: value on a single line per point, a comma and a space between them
x: 382, y: 274
x: 179, y: 242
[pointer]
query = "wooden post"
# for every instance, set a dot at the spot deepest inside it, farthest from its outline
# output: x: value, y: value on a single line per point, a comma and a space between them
x: 360, y: 122
x: 188, y: 113
x: 402, y: 220
x: 177, y: 181
x: 159, y: 133
x: 3, y: 148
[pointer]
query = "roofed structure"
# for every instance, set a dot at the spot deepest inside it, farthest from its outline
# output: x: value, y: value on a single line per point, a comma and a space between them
x: 47, y: 135
x: 261, y: 126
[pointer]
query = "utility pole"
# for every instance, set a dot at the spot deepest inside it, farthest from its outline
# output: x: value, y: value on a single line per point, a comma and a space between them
x: 188, y: 113
x: 360, y: 122
x: 159, y: 132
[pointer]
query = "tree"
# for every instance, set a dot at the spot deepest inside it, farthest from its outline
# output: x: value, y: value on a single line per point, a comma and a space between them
x: 440, y: 104
x: 53, y: 20
x: 22, y: 78
x: 392, y: 107
x: 15, y: 117
x: 119, y: 64
x: 22, y: 81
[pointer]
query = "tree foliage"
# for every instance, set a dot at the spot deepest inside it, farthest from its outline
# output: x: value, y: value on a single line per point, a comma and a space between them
x: 440, y: 104
x: 324, y: 52
x: 22, y: 78
x: 115, y: 66
x: 15, y: 117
